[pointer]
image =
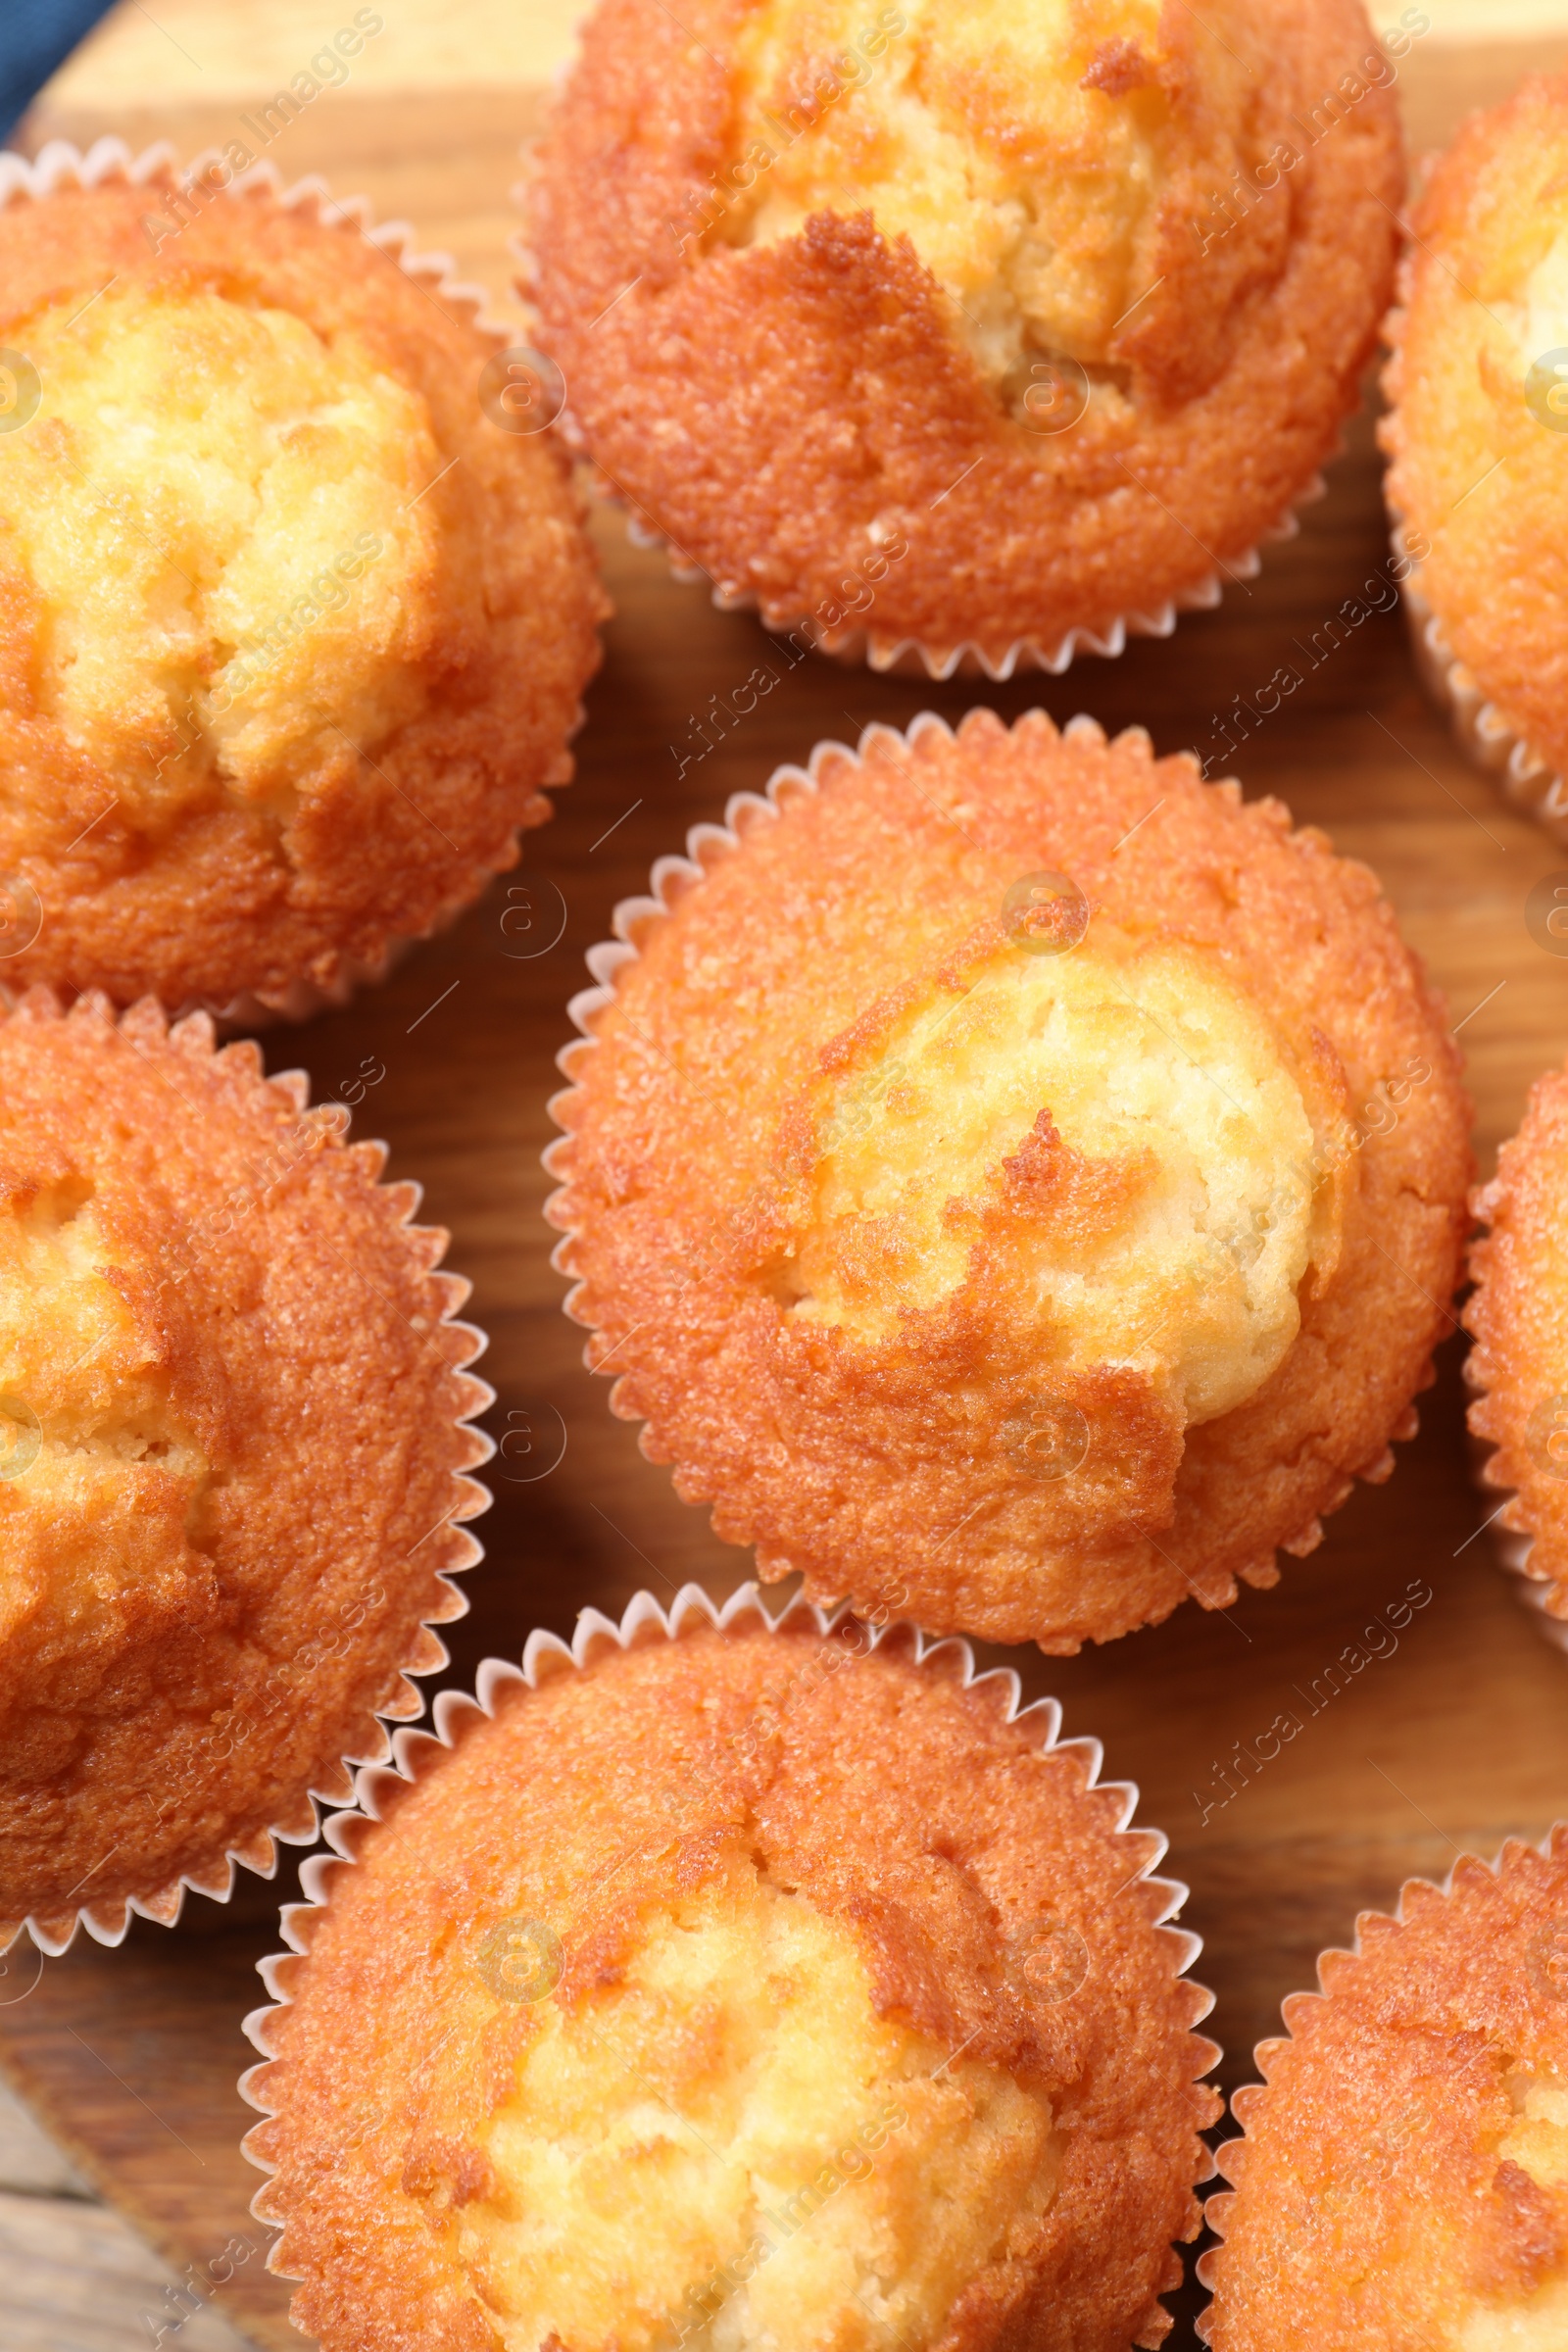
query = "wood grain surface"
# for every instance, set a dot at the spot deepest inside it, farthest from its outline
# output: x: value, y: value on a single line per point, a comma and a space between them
x: 77, y: 2280
x: 1453, y: 1738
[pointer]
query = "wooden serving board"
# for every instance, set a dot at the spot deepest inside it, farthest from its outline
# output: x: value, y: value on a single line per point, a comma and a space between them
x: 1451, y: 1730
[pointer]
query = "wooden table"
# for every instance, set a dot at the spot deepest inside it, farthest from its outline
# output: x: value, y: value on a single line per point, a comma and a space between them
x: 1456, y: 1739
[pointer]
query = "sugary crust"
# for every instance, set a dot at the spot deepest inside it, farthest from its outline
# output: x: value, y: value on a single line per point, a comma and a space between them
x: 1518, y: 1315
x: 384, y: 846
x: 782, y: 411
x: 1368, y: 2201
x: 293, y: 1310
x: 902, y: 1805
x: 886, y: 1470
x: 1475, y: 473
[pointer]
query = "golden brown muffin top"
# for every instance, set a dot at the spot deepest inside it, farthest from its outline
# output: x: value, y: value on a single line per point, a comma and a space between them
x: 758, y: 1984
x: 1479, y: 380
x: 961, y: 320
x: 229, y: 1455
x: 1403, y: 2179
x: 1519, y: 1317
x: 1037, y: 161
x: 1019, y: 1183
x: 291, y: 631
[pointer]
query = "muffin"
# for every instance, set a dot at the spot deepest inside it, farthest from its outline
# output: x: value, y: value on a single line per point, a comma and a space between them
x: 230, y: 1461
x: 1518, y: 1316
x: 291, y: 634
x: 1008, y: 1169
x: 738, y: 1987
x: 1403, y: 2179
x: 1478, y: 432
x: 966, y: 330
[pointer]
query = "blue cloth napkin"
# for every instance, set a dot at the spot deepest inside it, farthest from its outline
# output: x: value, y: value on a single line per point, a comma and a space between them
x: 36, y: 37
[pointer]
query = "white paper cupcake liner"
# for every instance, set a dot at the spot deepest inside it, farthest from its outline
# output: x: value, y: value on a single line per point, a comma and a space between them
x: 378, y: 1788
x: 909, y: 657
x: 1511, y: 1550
x: 108, y: 1921
x: 1521, y: 773
x: 303, y: 1000
x: 60, y: 164
x: 1249, y: 2098
x: 245, y: 1014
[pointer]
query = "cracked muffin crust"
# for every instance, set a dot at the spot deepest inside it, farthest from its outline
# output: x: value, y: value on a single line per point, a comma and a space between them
x: 967, y: 323
x: 1403, y: 2177
x: 1478, y: 423
x: 1518, y: 1315
x: 231, y: 1457
x: 1013, y: 1180
x: 743, y: 1988
x: 291, y: 634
